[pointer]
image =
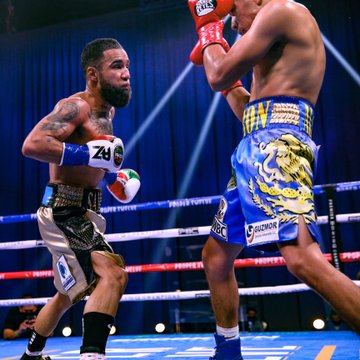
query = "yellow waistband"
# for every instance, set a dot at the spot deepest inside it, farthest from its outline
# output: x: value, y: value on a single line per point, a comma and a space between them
x: 278, y: 110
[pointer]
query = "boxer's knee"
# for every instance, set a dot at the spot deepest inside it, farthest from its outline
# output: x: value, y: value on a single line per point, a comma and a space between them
x: 296, y: 264
x: 210, y: 258
x: 217, y: 260
x: 116, y: 278
x: 110, y: 270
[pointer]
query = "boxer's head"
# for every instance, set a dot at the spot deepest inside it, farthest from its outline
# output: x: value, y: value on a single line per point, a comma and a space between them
x: 93, y: 52
x: 243, y: 14
x: 106, y: 64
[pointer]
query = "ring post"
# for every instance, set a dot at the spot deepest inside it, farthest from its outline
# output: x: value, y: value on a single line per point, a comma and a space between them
x: 335, y: 241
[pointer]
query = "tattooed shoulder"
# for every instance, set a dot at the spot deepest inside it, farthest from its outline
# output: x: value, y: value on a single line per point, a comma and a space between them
x: 67, y: 112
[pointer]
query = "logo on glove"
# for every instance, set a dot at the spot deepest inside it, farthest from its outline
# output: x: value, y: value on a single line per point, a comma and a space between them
x: 204, y: 7
x: 118, y: 155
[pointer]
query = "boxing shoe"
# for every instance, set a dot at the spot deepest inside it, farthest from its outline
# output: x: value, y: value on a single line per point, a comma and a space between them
x: 226, y: 350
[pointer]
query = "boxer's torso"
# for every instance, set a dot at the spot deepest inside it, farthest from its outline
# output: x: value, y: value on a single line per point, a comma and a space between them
x: 295, y: 63
x: 97, y: 122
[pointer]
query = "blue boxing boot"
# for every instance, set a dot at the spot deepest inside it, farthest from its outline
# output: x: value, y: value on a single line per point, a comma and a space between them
x: 226, y: 350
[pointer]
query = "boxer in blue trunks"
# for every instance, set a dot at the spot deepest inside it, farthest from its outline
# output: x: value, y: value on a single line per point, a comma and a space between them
x: 269, y: 202
x: 273, y: 176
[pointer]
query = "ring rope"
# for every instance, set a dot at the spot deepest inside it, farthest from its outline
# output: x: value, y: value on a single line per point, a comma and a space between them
x: 182, y: 266
x: 178, y: 203
x: 159, y: 234
x: 179, y: 295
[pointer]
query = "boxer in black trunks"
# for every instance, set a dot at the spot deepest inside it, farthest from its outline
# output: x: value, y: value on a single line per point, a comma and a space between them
x: 77, y: 141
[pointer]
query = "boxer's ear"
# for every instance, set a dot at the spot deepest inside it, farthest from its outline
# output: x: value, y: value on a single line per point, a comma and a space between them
x: 91, y: 73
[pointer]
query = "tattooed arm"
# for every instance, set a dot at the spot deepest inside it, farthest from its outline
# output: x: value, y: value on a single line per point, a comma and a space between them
x: 44, y: 143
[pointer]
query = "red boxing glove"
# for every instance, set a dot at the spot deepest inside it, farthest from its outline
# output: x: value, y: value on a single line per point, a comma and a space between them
x: 209, y: 11
x: 233, y: 86
x: 207, y: 15
x: 212, y: 34
x: 196, y: 55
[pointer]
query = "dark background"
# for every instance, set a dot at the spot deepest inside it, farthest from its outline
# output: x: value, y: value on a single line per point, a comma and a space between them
x: 40, y: 45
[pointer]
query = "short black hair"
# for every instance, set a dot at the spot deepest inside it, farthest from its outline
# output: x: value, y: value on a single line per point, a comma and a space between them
x: 94, y: 51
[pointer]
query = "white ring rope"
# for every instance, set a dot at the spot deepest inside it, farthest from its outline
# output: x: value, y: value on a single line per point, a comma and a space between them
x: 178, y: 232
x: 160, y: 234
x: 179, y: 295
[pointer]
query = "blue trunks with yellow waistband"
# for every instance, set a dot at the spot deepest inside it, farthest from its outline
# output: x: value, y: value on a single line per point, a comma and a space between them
x: 272, y: 183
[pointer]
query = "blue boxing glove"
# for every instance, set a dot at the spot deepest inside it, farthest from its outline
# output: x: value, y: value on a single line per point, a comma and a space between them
x: 124, y: 185
x: 105, y: 152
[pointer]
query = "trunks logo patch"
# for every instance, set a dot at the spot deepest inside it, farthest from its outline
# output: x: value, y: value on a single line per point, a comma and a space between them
x: 218, y: 226
x: 222, y: 208
x: 283, y: 187
x: 67, y: 280
x: 262, y: 231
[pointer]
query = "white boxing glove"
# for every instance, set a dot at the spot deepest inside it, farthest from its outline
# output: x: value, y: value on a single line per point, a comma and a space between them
x: 125, y: 186
x: 105, y: 152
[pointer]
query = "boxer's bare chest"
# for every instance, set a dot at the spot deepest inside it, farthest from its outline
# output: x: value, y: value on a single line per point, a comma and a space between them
x: 97, y: 123
x: 101, y: 122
